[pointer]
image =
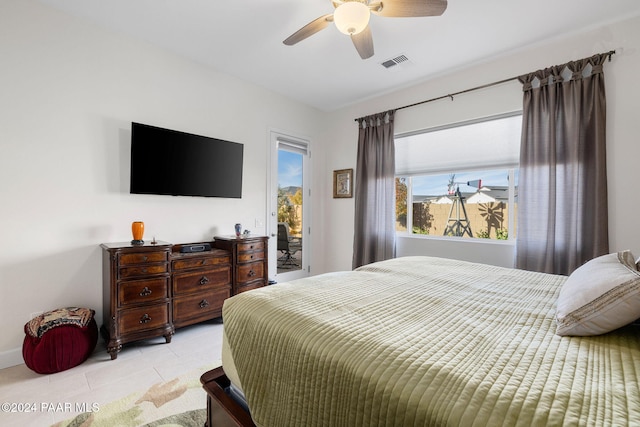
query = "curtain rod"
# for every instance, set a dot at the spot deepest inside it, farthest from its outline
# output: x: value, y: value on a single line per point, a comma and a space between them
x: 451, y: 95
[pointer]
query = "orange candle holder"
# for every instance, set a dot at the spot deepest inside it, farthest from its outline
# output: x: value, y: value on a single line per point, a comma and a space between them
x: 137, y: 229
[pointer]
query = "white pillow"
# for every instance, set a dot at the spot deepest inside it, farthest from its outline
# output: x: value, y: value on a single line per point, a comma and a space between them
x: 600, y: 296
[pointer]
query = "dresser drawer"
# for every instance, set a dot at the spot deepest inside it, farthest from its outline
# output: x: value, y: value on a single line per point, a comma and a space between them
x: 197, y: 281
x: 250, y: 247
x: 249, y: 272
x: 185, y: 264
x: 143, y: 270
x: 143, y: 257
x: 199, y: 307
x: 143, y: 291
x: 139, y: 319
x: 244, y: 257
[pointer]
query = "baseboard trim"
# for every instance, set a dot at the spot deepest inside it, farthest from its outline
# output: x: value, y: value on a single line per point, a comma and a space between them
x: 11, y: 358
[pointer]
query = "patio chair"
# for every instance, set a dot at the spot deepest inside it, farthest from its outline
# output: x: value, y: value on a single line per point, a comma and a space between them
x: 288, y: 246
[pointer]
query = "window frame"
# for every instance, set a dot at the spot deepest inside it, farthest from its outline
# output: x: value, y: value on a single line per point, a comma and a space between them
x: 510, y: 168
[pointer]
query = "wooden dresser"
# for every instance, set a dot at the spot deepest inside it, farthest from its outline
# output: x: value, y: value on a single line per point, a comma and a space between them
x: 136, y: 296
x: 250, y: 260
x: 151, y: 289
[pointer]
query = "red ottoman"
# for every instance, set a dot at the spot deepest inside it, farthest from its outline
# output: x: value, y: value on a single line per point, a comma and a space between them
x: 59, y: 339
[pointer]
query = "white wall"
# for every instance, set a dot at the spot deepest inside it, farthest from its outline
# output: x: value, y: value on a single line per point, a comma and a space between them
x: 69, y: 94
x: 623, y: 128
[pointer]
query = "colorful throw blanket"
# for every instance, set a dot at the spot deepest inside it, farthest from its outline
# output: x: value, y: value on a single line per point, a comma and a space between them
x: 75, y: 316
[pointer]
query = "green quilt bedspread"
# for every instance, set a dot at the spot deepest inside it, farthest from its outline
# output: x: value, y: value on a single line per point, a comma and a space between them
x: 422, y: 341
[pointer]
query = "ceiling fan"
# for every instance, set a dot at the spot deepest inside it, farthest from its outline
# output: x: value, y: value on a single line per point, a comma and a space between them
x: 352, y: 18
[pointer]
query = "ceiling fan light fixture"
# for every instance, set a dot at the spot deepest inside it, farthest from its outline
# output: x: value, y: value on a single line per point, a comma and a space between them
x: 351, y: 17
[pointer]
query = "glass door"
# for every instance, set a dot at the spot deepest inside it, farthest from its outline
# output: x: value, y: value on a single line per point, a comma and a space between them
x: 289, y: 223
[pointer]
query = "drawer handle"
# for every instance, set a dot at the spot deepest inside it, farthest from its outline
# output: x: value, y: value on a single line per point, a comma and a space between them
x: 203, y: 262
x: 204, y: 280
x: 145, y: 258
x: 145, y: 292
x: 144, y: 270
x: 145, y: 319
x: 204, y: 303
x: 251, y: 247
x: 251, y: 273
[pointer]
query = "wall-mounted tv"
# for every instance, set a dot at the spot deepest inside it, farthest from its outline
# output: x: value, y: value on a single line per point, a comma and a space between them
x: 170, y: 162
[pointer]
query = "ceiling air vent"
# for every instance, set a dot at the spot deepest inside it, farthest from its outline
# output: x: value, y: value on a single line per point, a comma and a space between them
x: 400, y: 59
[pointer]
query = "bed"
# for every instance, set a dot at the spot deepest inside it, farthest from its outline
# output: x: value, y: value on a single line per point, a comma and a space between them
x: 420, y: 341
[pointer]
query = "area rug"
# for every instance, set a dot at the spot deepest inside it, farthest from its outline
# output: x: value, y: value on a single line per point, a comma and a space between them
x: 179, y: 402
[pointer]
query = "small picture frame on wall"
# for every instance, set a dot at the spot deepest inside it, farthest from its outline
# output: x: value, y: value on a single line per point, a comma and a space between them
x: 342, y: 183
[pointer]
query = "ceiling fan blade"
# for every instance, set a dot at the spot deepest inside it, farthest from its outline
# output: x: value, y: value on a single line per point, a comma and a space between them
x: 363, y: 41
x: 408, y: 8
x: 310, y: 29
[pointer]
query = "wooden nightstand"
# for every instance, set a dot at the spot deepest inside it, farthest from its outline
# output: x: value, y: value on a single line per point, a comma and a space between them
x: 136, y: 294
x: 249, y: 258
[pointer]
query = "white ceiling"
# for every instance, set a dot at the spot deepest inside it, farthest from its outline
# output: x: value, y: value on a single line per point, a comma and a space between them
x: 244, y: 38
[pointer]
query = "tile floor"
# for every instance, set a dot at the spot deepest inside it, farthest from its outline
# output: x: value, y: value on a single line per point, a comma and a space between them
x: 101, y: 380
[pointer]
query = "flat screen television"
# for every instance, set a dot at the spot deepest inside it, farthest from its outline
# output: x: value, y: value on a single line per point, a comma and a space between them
x: 170, y: 162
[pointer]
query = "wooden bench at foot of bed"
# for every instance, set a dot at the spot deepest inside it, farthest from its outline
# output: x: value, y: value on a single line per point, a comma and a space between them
x: 222, y: 410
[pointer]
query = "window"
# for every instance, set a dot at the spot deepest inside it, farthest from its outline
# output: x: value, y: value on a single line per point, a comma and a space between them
x: 459, y: 180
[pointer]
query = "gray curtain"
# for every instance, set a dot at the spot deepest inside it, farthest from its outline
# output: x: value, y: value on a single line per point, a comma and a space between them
x: 562, y: 189
x: 374, y: 235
